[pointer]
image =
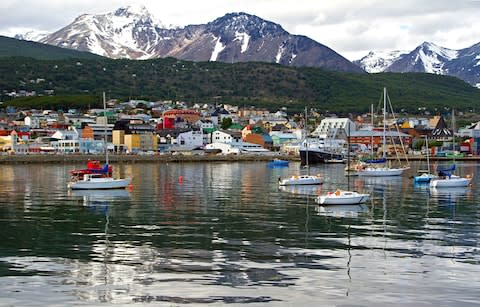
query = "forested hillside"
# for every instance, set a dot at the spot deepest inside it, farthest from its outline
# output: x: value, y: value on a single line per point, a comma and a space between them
x: 13, y: 47
x: 244, y: 84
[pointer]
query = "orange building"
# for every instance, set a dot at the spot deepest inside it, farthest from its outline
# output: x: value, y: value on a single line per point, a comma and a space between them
x: 189, y: 116
x: 87, y: 132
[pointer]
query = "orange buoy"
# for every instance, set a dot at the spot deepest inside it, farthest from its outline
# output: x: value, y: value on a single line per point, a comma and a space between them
x: 180, y: 179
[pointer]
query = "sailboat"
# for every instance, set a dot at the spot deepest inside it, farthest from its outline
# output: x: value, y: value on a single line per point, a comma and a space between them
x: 426, y: 176
x: 100, y: 180
x: 382, y: 171
x: 342, y: 197
x: 446, y: 178
x: 302, y: 179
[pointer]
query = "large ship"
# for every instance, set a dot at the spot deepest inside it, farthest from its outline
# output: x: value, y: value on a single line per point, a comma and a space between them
x: 319, y: 150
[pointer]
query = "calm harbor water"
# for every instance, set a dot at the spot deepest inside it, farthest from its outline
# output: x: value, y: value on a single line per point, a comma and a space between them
x: 226, y: 234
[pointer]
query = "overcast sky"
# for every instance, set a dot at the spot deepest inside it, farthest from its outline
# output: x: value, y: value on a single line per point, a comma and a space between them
x: 350, y: 27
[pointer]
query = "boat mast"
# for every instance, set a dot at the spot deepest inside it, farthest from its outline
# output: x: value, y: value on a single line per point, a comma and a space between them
x: 105, y: 128
x: 348, y: 156
x: 453, y: 131
x: 384, y: 121
x: 428, y: 161
x: 306, y: 143
x: 371, y: 138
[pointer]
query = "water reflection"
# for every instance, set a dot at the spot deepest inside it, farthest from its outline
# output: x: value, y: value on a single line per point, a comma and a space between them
x: 449, y: 196
x: 351, y: 211
x: 302, y: 189
x: 227, y: 234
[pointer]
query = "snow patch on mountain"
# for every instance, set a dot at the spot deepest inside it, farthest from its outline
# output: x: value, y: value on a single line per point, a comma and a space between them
x: 217, y: 49
x: 278, y: 57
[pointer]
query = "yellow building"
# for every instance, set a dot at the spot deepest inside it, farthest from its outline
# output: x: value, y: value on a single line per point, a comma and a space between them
x: 134, y: 136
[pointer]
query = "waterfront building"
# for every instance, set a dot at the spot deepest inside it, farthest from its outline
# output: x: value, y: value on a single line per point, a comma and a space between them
x: 134, y: 135
x: 374, y: 138
x: 333, y: 123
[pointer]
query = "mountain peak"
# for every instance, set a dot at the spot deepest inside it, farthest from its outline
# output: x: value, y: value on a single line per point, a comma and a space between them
x: 128, y: 11
x: 245, y: 23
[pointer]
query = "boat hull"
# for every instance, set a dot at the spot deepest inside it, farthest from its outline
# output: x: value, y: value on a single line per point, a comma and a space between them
x: 344, y: 198
x: 301, y: 180
x: 425, y: 178
x: 450, y: 183
x: 316, y: 156
x: 381, y: 172
x: 99, y: 184
x: 278, y: 163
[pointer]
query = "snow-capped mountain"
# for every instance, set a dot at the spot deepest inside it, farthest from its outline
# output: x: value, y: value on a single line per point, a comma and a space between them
x: 133, y: 33
x: 378, y: 61
x: 32, y: 35
x: 128, y: 32
x: 429, y: 58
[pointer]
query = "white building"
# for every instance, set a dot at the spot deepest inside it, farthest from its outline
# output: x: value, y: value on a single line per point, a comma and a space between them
x: 204, y: 124
x: 190, y: 139
x: 221, y: 136
x: 67, y: 146
x: 333, y: 122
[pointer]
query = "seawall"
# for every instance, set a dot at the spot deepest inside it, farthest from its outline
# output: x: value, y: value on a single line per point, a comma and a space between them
x: 163, y: 158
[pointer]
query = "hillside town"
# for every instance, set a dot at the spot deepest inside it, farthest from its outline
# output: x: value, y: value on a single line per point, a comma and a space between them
x: 166, y: 127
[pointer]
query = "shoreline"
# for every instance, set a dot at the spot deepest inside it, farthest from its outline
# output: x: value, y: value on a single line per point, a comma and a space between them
x: 165, y: 158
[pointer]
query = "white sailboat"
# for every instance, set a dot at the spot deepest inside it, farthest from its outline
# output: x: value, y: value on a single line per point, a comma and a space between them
x: 426, y: 175
x: 342, y: 197
x: 446, y: 178
x: 373, y: 171
x: 99, y: 181
x: 452, y: 181
x: 302, y: 179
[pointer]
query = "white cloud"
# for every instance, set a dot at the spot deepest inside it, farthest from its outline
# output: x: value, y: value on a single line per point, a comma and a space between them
x: 350, y: 27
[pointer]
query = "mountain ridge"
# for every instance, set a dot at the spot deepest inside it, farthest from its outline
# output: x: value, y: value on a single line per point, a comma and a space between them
x: 134, y: 33
x: 428, y: 58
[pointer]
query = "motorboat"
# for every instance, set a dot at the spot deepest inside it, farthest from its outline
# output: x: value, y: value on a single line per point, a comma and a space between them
x: 340, y: 197
x: 98, y: 181
x: 301, y: 180
x: 278, y: 163
x: 424, y: 178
